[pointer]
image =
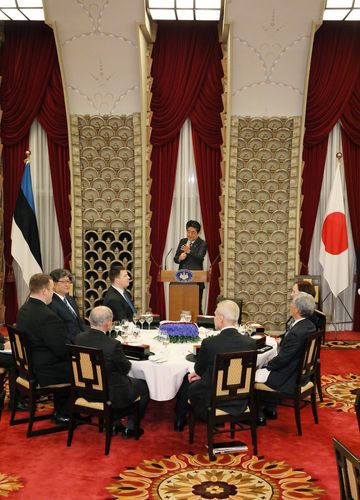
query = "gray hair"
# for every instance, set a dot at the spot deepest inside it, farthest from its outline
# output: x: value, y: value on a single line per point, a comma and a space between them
x: 100, y: 315
x: 305, y: 304
x: 229, y: 309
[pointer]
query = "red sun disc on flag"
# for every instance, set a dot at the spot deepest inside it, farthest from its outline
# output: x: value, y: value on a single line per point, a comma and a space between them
x: 334, y: 234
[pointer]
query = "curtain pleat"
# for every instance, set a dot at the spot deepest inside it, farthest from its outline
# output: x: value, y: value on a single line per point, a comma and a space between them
x: 334, y: 71
x: 182, y: 68
x: 29, y: 70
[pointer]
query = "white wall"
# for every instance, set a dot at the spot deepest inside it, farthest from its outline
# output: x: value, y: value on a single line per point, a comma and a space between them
x: 100, y: 56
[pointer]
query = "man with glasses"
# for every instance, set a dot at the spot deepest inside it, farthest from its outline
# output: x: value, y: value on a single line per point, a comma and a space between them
x: 64, y: 305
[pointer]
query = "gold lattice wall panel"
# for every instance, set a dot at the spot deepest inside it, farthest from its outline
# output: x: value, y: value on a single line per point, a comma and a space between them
x: 261, y: 209
x: 107, y: 194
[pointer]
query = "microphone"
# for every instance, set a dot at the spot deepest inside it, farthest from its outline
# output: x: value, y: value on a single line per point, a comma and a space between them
x: 167, y: 255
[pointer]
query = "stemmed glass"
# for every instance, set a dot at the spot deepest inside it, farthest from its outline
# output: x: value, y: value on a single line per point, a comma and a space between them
x: 165, y: 339
x: 148, y: 318
x: 142, y: 320
x: 116, y: 328
x: 136, y: 318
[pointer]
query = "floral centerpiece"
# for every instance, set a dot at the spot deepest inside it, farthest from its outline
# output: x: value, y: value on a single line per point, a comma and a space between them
x: 181, y: 331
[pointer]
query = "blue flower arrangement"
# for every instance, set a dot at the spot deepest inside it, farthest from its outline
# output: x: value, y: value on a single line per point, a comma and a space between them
x: 181, y: 332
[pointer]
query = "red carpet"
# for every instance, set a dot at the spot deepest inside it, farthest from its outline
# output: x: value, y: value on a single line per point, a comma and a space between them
x: 47, y: 469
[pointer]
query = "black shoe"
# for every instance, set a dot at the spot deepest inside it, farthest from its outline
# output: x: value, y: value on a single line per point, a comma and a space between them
x: 270, y: 414
x: 117, y: 428
x: 60, y: 419
x: 180, y: 424
x: 132, y: 434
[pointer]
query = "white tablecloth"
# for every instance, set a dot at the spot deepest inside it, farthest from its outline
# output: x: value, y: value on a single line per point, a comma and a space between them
x: 165, y: 376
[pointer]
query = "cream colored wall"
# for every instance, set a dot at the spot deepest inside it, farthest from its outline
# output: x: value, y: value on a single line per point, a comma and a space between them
x: 98, y: 47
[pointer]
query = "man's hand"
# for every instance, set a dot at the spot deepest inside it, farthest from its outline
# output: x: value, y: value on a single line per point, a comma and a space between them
x: 185, y: 249
x: 182, y: 256
x: 193, y: 376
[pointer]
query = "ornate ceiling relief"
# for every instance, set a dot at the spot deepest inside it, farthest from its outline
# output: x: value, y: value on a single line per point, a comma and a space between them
x: 107, y: 201
x: 263, y: 174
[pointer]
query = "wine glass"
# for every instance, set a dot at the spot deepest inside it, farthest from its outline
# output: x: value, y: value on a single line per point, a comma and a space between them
x: 165, y: 339
x: 142, y: 320
x: 136, y: 317
x: 148, y: 318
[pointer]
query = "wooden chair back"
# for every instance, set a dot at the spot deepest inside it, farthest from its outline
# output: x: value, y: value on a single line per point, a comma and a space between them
x: 348, y: 466
x: 308, y: 366
x: 22, y: 353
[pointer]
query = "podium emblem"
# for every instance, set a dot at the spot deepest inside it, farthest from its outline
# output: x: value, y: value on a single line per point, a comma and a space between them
x: 184, y: 275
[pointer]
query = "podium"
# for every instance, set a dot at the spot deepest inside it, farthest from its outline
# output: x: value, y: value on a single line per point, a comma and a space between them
x: 183, y: 291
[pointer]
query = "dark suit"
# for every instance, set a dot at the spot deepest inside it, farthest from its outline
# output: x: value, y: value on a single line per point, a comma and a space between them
x: 74, y: 324
x: 47, y: 337
x: 118, y: 305
x: 123, y: 389
x: 193, y: 261
x: 284, y: 366
x: 199, y: 391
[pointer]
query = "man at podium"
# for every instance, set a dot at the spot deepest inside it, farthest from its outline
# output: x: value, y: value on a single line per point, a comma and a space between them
x: 191, y: 252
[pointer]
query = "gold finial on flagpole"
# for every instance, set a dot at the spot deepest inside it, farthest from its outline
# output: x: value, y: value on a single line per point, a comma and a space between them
x: 27, y: 156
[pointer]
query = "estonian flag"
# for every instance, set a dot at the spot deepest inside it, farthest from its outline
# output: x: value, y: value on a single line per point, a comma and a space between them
x: 25, y: 247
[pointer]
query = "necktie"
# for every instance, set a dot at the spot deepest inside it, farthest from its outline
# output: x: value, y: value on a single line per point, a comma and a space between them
x: 130, y: 304
x: 69, y: 306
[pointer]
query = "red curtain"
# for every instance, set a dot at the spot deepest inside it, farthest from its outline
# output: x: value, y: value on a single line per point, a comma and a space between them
x: 333, y: 74
x: 186, y: 62
x: 31, y: 88
x: 350, y: 121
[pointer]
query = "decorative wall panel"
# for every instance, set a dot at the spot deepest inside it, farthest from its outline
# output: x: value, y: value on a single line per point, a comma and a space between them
x: 262, y: 225
x: 107, y: 179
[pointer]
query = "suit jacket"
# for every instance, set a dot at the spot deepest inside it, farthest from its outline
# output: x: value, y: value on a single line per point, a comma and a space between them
x: 228, y: 340
x: 118, y: 305
x: 195, y: 258
x: 283, y: 367
x: 121, y: 387
x: 47, y: 336
x: 74, y: 324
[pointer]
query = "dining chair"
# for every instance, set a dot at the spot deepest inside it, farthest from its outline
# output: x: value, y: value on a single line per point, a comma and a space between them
x: 90, y: 393
x: 232, y: 381
x: 26, y: 384
x: 3, y: 372
x: 305, y: 386
x: 321, y: 327
x: 357, y: 407
x: 348, y: 467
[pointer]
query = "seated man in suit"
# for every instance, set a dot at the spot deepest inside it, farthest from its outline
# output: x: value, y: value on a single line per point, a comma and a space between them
x: 64, y: 305
x: 47, y: 337
x: 191, y: 252
x: 117, y: 297
x: 123, y: 389
x: 197, y: 385
x: 307, y: 287
x: 280, y: 372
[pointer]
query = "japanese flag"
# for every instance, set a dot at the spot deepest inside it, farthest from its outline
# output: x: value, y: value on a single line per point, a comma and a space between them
x: 334, y: 248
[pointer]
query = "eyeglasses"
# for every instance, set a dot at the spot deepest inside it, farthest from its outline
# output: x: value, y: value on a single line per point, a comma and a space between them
x: 64, y: 281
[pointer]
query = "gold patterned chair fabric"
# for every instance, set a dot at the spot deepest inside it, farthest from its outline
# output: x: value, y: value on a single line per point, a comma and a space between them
x: 348, y: 466
x: 26, y: 384
x: 90, y: 393
x: 232, y: 381
x: 305, y: 390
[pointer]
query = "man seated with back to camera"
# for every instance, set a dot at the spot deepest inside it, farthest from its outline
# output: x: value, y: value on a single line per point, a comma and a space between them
x: 116, y: 296
x: 280, y: 372
x: 196, y: 386
x: 123, y: 389
x: 47, y: 337
x: 64, y: 305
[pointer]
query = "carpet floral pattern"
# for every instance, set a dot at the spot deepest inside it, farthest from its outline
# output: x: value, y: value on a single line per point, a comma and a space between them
x: 9, y: 484
x: 231, y: 476
x: 341, y: 344
x: 339, y: 391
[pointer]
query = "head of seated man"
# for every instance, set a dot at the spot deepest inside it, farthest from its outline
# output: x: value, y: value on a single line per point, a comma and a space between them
x: 119, y: 277
x: 41, y: 287
x: 226, y: 314
x: 62, y: 279
x: 303, y: 286
x: 101, y: 318
x: 302, y: 306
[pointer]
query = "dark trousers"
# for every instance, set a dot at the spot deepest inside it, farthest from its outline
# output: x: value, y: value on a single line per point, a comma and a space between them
x: 140, y: 390
x: 7, y: 361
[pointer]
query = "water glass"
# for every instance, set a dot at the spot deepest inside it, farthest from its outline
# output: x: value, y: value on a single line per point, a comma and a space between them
x: 149, y: 317
x: 165, y: 339
x: 116, y: 328
x: 136, y: 318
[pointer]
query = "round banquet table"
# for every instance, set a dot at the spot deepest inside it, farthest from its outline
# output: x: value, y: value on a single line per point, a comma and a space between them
x: 165, y: 371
